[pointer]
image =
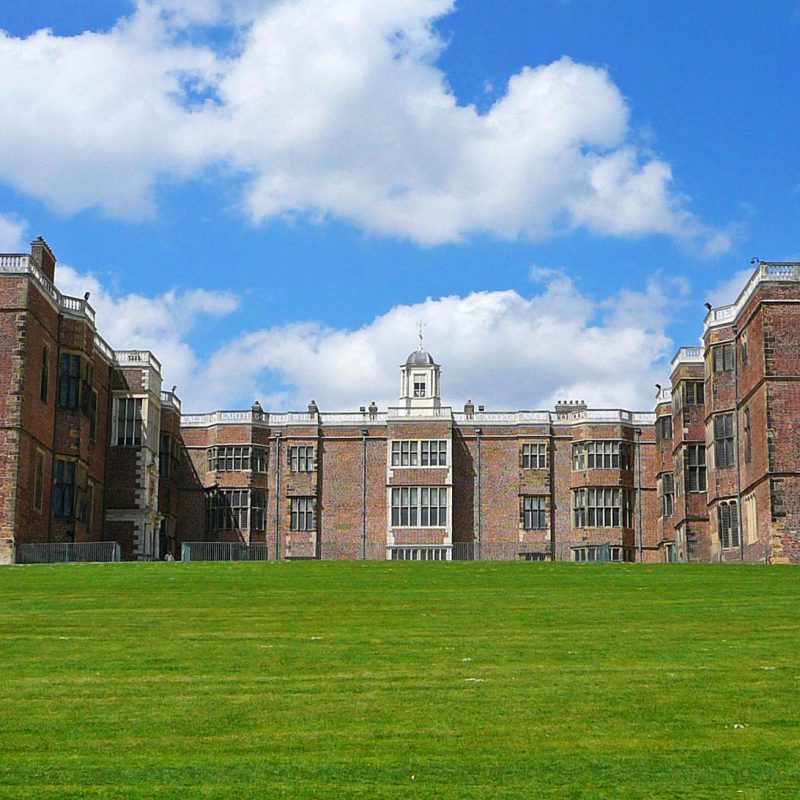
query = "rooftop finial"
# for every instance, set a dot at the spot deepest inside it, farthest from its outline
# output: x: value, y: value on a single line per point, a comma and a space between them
x: 420, y: 325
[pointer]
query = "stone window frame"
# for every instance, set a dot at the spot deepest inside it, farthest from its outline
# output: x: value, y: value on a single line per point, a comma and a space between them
x: 301, y: 457
x: 433, y: 452
x: 130, y: 413
x: 663, y: 423
x: 227, y: 510
x: 414, y: 453
x: 723, y: 428
x: 303, y: 513
x: 602, y: 454
x: 694, y: 393
x: 667, y: 490
x: 748, y: 449
x: 258, y: 510
x: 44, y: 375
x: 533, y: 512
x: 418, y: 506
x: 534, y: 455
x: 75, y: 375
x: 38, y: 480
x: 749, y: 518
x: 234, y: 458
x: 64, y: 484
x: 69, y: 380
x: 695, y: 468
x: 723, y: 357
x: 418, y: 553
x: 602, y: 507
x: 728, y: 526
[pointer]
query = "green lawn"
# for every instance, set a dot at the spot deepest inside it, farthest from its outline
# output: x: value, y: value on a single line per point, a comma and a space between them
x: 399, y: 680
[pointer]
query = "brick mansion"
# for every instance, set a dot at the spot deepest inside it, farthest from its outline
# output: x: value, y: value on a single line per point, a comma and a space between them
x: 94, y: 450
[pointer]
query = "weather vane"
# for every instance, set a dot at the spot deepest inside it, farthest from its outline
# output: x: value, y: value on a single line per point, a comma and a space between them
x: 420, y: 325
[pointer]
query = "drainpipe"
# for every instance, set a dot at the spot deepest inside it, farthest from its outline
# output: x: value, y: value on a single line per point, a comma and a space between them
x: 551, y: 466
x: 277, y: 494
x: 478, y: 432
x: 364, y: 435
x: 640, y: 532
x: 739, y: 519
x: 57, y: 349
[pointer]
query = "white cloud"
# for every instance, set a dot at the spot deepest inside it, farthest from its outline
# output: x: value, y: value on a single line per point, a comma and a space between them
x: 627, y: 198
x: 97, y: 118
x: 660, y: 299
x: 161, y: 324
x: 12, y: 234
x: 327, y: 108
x: 727, y: 291
x: 502, y: 349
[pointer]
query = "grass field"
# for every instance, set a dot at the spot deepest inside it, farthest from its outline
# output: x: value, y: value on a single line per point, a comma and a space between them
x: 399, y: 680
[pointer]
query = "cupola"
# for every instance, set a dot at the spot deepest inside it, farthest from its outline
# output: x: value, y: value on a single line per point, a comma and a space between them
x: 420, y: 389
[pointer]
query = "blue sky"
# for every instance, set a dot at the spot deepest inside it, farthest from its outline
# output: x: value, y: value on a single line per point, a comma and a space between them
x: 270, y: 194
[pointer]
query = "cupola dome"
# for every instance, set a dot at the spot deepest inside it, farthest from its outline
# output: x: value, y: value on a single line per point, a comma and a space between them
x: 420, y: 358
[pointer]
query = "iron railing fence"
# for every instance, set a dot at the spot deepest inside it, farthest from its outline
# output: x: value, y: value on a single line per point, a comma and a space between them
x: 224, y: 551
x: 563, y: 550
x: 67, y: 553
x: 354, y: 549
x: 500, y: 551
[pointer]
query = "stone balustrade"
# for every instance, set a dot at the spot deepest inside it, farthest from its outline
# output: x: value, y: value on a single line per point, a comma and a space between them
x: 14, y: 262
x: 283, y: 419
x: 445, y: 412
x: 664, y: 395
x: 353, y: 418
x: 220, y: 417
x: 686, y: 355
x: 764, y: 272
x: 171, y: 399
x: 104, y: 348
x: 20, y: 264
x: 502, y: 417
x: 137, y: 358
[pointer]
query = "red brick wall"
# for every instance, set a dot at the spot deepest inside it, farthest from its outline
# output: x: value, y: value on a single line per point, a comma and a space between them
x: 765, y: 386
x: 12, y: 323
x: 337, y: 485
x: 45, y: 427
x: 340, y: 501
x: 499, y: 490
x: 464, y: 485
x: 123, y: 533
x: 691, y: 511
x: 785, y: 498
